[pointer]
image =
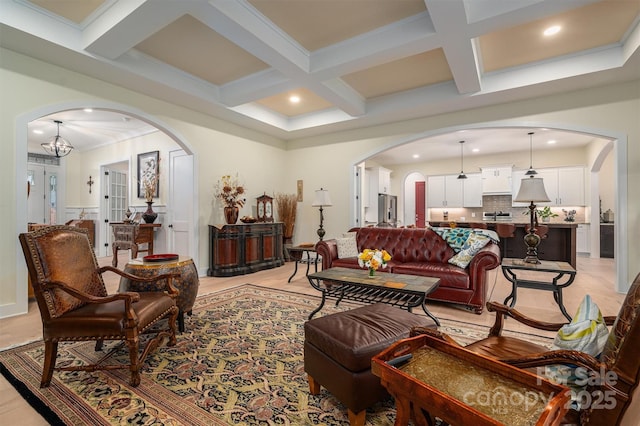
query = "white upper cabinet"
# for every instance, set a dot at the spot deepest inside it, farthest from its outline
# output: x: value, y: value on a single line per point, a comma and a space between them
x: 496, y: 180
x: 444, y: 191
x: 472, y: 190
x: 565, y: 186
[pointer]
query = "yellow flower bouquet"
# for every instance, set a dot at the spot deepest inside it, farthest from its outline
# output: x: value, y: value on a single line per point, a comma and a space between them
x: 373, y: 259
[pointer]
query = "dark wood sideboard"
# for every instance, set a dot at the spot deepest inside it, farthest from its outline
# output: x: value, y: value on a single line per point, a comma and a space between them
x: 244, y: 248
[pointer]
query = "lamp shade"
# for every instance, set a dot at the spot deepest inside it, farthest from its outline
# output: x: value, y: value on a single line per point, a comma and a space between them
x: 532, y: 189
x: 322, y: 198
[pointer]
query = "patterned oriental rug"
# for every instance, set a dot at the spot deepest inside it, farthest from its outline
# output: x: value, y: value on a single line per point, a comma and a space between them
x: 239, y: 362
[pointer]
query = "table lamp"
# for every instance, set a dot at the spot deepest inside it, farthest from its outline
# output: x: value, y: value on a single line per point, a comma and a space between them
x: 322, y: 200
x: 532, y: 191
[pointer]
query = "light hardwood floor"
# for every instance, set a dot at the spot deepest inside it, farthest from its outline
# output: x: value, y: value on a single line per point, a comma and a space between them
x: 595, y: 277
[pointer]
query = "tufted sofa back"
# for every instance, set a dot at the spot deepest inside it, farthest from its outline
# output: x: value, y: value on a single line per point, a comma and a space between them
x: 405, y: 244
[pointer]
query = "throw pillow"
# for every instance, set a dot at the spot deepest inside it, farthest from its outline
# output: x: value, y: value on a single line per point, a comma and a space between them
x: 347, y: 247
x: 455, y: 237
x: 586, y: 333
x: 473, y: 244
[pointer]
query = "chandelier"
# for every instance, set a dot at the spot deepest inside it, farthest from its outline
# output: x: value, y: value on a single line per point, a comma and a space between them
x: 57, y: 146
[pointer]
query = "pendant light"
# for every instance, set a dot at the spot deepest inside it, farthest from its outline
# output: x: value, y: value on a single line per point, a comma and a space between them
x: 57, y: 146
x: 531, y: 171
x: 461, y: 175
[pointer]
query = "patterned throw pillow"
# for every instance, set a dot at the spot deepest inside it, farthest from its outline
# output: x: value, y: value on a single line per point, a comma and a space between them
x: 347, y: 246
x: 455, y: 237
x: 473, y: 245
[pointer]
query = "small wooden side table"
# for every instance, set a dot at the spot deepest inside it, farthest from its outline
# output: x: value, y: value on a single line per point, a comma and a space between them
x: 562, y: 270
x: 188, y: 282
x: 302, y: 254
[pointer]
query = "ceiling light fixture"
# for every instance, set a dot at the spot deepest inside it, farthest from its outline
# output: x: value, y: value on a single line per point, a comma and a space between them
x: 57, y: 146
x: 461, y: 175
x: 555, y: 29
x: 531, y: 171
x: 294, y: 99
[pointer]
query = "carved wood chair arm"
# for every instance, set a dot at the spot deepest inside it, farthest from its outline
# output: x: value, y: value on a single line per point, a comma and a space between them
x: 169, y: 277
x: 562, y: 356
x: 416, y: 331
x: 502, y: 310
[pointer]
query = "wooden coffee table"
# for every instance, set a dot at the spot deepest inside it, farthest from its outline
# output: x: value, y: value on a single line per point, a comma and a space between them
x: 403, y: 290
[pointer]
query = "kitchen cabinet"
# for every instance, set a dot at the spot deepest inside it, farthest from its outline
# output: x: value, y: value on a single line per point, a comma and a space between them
x: 472, y: 190
x: 565, y: 186
x: 444, y: 191
x: 583, y: 239
x: 449, y: 191
x: 496, y: 180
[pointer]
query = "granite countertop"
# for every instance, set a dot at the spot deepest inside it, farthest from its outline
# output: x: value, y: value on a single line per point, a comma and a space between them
x: 555, y: 224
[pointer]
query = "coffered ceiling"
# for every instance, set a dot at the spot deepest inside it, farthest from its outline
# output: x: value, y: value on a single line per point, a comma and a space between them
x: 352, y: 63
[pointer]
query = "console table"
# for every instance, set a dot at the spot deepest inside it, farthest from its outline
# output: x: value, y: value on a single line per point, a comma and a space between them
x: 128, y: 236
x: 244, y: 248
x: 464, y: 388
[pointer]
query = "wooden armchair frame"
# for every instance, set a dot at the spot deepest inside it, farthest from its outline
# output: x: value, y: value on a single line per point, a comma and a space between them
x: 619, y: 362
x: 74, y: 304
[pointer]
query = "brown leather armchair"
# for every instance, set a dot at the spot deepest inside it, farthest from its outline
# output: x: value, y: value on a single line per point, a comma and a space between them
x: 616, y: 372
x: 74, y: 304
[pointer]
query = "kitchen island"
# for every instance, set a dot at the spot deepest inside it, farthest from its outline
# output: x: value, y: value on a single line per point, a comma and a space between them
x: 560, y: 243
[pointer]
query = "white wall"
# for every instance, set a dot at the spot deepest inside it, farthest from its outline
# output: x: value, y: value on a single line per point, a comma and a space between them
x: 266, y: 164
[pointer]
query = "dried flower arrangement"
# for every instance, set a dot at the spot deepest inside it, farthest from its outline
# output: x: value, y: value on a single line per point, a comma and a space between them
x: 230, y: 192
x: 149, y: 185
x: 286, y: 206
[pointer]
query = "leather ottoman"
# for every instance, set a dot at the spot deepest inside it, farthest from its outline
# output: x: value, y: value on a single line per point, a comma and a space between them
x: 338, y: 349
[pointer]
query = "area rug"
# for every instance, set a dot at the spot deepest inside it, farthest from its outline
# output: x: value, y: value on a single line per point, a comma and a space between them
x: 239, y: 362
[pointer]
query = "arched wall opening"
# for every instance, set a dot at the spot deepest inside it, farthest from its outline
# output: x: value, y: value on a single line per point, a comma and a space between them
x: 21, y: 127
x: 617, y: 143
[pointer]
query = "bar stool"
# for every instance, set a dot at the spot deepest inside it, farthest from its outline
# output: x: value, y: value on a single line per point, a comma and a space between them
x: 505, y: 231
x: 478, y: 225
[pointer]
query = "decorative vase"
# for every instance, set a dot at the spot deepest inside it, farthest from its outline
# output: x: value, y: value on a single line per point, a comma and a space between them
x: 231, y: 214
x: 372, y: 272
x: 149, y: 215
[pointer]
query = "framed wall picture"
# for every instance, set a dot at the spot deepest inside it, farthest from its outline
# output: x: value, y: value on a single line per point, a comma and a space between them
x: 148, y: 169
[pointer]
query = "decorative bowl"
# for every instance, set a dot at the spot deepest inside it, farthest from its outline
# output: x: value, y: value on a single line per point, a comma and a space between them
x: 248, y: 219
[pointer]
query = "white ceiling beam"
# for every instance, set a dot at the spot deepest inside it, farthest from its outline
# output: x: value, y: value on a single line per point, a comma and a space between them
x: 240, y: 23
x: 450, y: 22
x: 127, y: 23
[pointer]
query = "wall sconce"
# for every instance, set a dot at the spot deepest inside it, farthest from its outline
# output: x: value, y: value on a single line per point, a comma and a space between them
x: 321, y: 200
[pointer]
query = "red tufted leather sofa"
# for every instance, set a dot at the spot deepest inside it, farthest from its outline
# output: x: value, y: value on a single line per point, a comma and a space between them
x: 421, y: 251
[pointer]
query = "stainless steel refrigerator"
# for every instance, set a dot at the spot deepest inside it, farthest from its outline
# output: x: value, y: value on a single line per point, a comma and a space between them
x: 387, y: 210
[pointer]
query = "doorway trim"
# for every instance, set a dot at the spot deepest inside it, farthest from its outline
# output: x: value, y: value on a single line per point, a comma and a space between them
x: 21, y: 128
x: 619, y: 146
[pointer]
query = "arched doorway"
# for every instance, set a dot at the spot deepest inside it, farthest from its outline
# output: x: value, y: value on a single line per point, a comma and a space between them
x: 22, y: 122
x: 616, y: 142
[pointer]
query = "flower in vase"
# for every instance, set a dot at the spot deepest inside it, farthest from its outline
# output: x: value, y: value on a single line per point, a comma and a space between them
x: 230, y: 192
x: 149, y: 185
x: 373, y: 259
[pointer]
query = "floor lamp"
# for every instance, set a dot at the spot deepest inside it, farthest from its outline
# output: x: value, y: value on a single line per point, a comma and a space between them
x: 532, y: 191
x: 322, y: 200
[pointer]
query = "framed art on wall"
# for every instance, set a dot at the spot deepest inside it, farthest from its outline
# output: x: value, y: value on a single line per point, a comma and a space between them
x: 148, y: 169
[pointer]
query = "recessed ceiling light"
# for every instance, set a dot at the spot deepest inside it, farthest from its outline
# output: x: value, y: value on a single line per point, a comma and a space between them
x: 294, y: 99
x: 475, y: 150
x: 416, y: 155
x: 554, y: 29
x: 551, y: 141
x: 88, y: 110
x: 38, y: 132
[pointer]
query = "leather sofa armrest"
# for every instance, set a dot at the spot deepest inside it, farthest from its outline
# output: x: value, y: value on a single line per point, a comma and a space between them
x: 328, y: 249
